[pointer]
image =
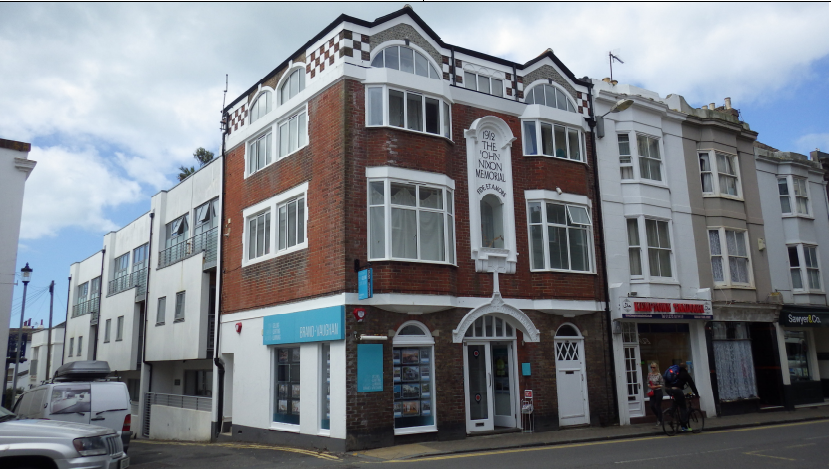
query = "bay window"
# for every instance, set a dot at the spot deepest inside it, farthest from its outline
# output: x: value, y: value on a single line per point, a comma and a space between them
x: 625, y: 152
x: 793, y: 195
x: 410, y: 221
x: 658, y: 247
x: 729, y: 257
x: 719, y: 174
x: 259, y: 153
x: 549, y: 139
x: 408, y: 110
x: 560, y: 237
x: 804, y: 265
x: 649, y: 158
x: 634, y: 238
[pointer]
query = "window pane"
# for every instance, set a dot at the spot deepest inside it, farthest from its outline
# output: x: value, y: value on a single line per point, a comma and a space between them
x: 376, y: 192
x: 268, y: 147
x: 284, y: 91
x: 446, y: 121
x: 378, y: 61
x: 391, y: 57
x: 793, y: 256
x: 496, y: 87
x: 414, y: 112
x: 484, y: 84
x: 434, y: 74
x: 432, y: 235
x: 802, y: 205
x: 260, y: 235
x: 301, y: 220
x: 652, y: 233
x: 623, y: 145
x: 281, y: 227
x: 420, y: 65
x: 741, y: 247
x: 267, y: 232
x: 490, y: 209
x: 451, y: 240
x: 561, y: 100
x: 632, y: 232
x: 626, y: 172
x: 574, y: 145
x: 715, y: 243
x: 810, y: 254
x: 813, y: 279
x: 547, y: 139
x: 396, y: 117
x: 550, y: 96
x: 252, y: 238
x: 663, y: 234
x: 284, y: 140
x: 783, y: 186
x: 293, y: 134
x: 738, y: 270
x: 707, y: 183
x: 376, y: 233
x: 403, y: 233
x: 291, y: 227
x: 376, y: 105
x: 799, y: 187
x: 260, y: 152
x: 534, y: 212
x: 431, y: 114
x: 403, y: 194
x: 796, y: 278
x: 252, y: 157
x: 727, y: 185
x: 429, y: 197
x: 664, y: 259
x: 301, y: 130
x: 654, y: 152
x: 530, y: 144
x: 560, y: 141
x: 718, y: 270
x: 555, y: 213
x: 537, y: 252
x: 635, y: 261
x: 470, y: 81
x: 578, y: 215
x: 407, y: 64
x: 557, y: 247
x: 579, y: 248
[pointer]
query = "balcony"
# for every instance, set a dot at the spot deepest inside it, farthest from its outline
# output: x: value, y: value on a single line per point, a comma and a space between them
x: 137, y: 280
x: 86, y: 307
x: 202, y: 243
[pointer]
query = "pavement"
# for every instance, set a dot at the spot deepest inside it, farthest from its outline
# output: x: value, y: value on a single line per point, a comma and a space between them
x: 502, y: 441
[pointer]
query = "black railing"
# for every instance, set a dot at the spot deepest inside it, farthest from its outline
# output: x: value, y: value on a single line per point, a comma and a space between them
x: 136, y: 279
x: 86, y: 307
x: 203, y: 242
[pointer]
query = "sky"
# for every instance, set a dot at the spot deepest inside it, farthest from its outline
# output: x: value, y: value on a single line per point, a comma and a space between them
x: 115, y: 97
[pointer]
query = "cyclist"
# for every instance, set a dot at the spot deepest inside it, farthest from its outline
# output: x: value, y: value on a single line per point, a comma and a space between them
x: 676, y: 390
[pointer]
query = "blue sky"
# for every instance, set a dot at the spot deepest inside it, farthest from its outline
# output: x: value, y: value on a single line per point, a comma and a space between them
x: 114, y: 97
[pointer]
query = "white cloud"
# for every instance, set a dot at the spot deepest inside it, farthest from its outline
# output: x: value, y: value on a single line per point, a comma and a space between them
x: 72, y: 188
x: 810, y: 142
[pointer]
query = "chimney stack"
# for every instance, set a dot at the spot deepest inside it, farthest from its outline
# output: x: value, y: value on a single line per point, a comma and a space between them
x: 704, y: 107
x: 607, y: 80
x: 712, y: 106
x: 728, y: 104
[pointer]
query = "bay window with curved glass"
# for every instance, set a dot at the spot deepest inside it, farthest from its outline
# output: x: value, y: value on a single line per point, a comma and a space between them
x: 409, y: 110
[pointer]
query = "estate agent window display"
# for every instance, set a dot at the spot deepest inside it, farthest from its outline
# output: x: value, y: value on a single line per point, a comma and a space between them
x: 413, y: 372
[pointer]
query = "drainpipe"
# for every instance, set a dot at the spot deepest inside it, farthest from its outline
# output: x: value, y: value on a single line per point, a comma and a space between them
x: 144, y: 313
x: 97, y: 323
x: 516, y: 87
x: 453, y: 65
x: 220, y: 364
x: 66, y: 321
x: 608, y: 311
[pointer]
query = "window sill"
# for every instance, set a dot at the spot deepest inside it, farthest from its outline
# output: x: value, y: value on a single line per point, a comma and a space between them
x: 556, y: 158
x: 159, y: 324
x: 178, y: 320
x: 808, y: 292
x: 118, y: 340
x: 562, y: 271
x: 660, y: 281
x: 719, y: 196
x: 647, y: 182
x: 284, y: 427
x: 106, y: 342
x: 734, y: 287
x: 412, y: 430
x: 417, y: 261
x: 418, y: 132
x: 276, y: 254
x: 797, y: 215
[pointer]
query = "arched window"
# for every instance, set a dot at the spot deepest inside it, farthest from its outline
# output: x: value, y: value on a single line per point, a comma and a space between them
x: 490, y: 326
x: 567, y: 330
x: 295, y: 83
x: 413, y: 379
x: 407, y: 60
x: 549, y: 96
x: 261, y: 106
x: 493, y: 236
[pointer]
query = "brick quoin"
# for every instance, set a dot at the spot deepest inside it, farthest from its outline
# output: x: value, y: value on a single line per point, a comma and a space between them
x: 340, y: 149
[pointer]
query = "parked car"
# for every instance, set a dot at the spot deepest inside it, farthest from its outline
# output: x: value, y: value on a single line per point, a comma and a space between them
x: 80, y: 393
x: 42, y: 444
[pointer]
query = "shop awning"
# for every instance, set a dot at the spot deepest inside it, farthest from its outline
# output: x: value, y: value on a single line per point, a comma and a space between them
x: 804, y: 316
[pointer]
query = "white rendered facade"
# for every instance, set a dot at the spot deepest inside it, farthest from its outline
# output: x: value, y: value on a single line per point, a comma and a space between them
x: 37, y: 371
x: 633, y: 203
x: 15, y: 168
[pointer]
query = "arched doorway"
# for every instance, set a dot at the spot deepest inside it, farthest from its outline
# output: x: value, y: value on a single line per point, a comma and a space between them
x: 490, y: 363
x: 572, y: 392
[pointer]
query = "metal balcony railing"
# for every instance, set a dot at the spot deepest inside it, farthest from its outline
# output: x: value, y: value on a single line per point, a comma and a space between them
x: 86, y: 307
x: 136, y: 279
x: 203, y: 242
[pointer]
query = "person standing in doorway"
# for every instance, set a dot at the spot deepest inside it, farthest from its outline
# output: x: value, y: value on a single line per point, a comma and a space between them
x: 655, y: 381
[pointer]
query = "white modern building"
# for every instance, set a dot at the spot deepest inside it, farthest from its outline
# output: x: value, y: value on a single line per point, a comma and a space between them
x: 42, y: 353
x: 151, y: 318
x: 795, y: 210
x: 15, y: 167
x: 658, y: 307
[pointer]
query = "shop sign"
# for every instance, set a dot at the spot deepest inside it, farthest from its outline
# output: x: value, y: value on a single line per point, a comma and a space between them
x: 787, y: 318
x: 370, y: 367
x: 316, y: 325
x: 365, y: 284
x: 653, y: 308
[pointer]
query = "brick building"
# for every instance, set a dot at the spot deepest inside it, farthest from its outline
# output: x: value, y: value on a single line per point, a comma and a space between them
x: 461, y: 186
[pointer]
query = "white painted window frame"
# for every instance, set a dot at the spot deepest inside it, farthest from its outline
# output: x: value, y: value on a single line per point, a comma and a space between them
x: 569, y: 98
x: 538, y: 130
x: 270, y: 205
x: 426, y: 340
x: 725, y: 259
x: 265, y: 94
x: 660, y: 159
x: 792, y: 196
x: 542, y: 197
x: 443, y: 105
x: 715, y: 174
x: 490, y: 92
x: 803, y: 269
x: 630, y: 165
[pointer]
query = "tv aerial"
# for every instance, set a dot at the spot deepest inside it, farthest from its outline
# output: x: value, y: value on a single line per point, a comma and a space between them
x: 613, y: 55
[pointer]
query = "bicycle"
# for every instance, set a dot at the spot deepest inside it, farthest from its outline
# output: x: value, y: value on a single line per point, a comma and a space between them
x: 672, y: 418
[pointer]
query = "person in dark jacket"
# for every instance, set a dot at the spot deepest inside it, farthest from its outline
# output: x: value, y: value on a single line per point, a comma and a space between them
x: 676, y: 390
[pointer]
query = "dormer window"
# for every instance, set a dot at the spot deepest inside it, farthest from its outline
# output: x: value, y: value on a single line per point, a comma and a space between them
x: 550, y: 96
x: 406, y: 60
x: 295, y: 83
x: 261, y: 106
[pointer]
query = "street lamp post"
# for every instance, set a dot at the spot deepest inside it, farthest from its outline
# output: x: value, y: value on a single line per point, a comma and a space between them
x: 27, y: 276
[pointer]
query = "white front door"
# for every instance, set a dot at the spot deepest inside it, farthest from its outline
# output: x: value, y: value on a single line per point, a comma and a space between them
x: 572, y: 393
x: 634, y: 387
x: 478, y: 386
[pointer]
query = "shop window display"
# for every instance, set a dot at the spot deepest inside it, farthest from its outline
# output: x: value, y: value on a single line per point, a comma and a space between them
x: 413, y: 386
x: 665, y: 344
x: 796, y: 346
x: 734, y: 361
x: 287, y: 386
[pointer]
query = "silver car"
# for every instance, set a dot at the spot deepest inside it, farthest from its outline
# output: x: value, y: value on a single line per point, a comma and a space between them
x: 40, y: 444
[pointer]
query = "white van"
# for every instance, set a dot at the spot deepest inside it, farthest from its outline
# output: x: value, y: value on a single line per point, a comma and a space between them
x: 79, y: 393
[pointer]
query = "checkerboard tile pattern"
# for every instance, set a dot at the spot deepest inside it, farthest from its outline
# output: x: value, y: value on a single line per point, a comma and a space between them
x: 237, y: 118
x: 583, y: 105
x: 345, y: 44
